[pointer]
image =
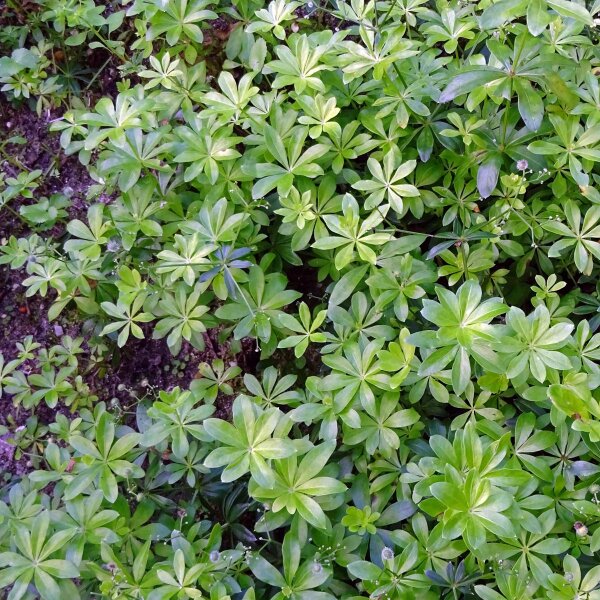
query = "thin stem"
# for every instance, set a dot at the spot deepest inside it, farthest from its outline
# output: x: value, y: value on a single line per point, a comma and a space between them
x: 97, y: 74
x: 104, y: 41
x: 463, y: 254
x: 10, y: 209
x: 387, y: 14
x: 397, y: 69
x: 14, y: 161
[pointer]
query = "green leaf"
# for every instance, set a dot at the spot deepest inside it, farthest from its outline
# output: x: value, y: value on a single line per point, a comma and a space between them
x: 487, y: 175
x: 499, y: 13
x: 572, y: 10
x: 468, y: 80
x: 537, y: 17
x: 265, y: 571
x: 347, y: 284
x: 364, y: 570
x: 531, y: 105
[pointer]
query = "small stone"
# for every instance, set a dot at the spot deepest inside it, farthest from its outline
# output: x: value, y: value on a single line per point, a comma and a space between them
x: 58, y: 330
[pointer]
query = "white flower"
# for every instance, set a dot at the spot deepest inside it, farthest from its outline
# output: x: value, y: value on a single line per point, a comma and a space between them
x: 113, y: 246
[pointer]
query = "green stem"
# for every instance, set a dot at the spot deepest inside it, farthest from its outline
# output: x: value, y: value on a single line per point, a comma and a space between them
x: 397, y: 69
x: 104, y: 41
x: 463, y: 254
x: 14, y: 161
x: 96, y: 74
x: 389, y: 11
x: 10, y: 209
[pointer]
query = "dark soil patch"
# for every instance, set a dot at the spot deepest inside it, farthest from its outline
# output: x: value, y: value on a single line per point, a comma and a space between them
x: 303, y: 278
x: 11, y: 17
x: 21, y: 317
x: 144, y: 367
x: 105, y: 66
x: 139, y: 370
x: 62, y: 174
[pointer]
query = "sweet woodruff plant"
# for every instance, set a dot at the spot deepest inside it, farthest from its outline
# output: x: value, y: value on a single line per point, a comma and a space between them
x: 393, y: 206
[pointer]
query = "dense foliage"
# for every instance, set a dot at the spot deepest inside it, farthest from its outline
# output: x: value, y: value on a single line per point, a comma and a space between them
x: 424, y: 420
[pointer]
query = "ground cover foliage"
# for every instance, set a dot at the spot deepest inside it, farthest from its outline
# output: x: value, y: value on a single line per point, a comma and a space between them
x: 394, y: 207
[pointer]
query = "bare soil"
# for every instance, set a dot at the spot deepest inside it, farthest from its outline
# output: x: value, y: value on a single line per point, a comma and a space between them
x: 142, y: 367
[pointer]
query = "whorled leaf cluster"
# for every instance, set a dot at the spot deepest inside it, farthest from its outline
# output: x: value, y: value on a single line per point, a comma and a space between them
x: 424, y: 421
